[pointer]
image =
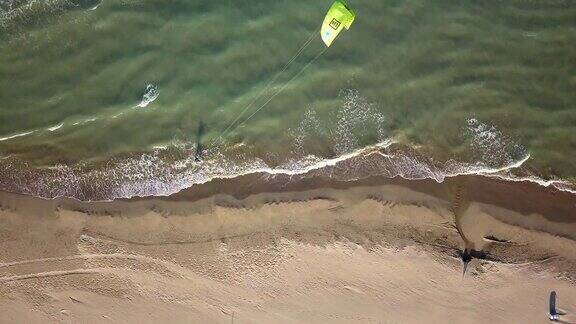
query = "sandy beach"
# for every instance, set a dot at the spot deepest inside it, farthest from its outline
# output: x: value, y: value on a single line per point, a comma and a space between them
x: 261, y: 249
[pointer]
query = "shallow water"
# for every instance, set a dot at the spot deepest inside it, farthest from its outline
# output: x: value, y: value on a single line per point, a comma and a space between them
x: 105, y: 99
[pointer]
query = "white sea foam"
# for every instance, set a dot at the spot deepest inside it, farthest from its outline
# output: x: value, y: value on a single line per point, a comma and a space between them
x: 96, y: 6
x: 396, y: 164
x: 85, y: 121
x: 57, y: 127
x: 150, y: 94
x: 356, y: 115
x: 150, y: 175
x: 557, y: 184
x: 491, y: 147
x: 355, y: 119
x: 16, y: 135
x: 309, y: 126
x: 28, y: 9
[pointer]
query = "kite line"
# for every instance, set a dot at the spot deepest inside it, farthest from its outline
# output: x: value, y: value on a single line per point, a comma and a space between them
x: 312, y: 37
x: 284, y: 86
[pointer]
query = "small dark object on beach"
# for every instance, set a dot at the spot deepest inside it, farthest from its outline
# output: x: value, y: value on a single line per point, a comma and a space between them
x: 554, y: 316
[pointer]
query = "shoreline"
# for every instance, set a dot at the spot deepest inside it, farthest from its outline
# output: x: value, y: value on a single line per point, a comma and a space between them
x: 382, y: 160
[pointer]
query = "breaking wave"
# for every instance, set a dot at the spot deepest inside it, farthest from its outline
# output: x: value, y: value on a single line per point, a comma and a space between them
x: 9, y: 137
x: 491, y: 147
x: 150, y: 94
x: 55, y: 128
x: 15, y: 15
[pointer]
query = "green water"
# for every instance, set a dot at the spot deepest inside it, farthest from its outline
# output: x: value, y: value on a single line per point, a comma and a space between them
x: 473, y: 82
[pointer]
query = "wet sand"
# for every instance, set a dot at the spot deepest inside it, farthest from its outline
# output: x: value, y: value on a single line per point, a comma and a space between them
x: 276, y: 249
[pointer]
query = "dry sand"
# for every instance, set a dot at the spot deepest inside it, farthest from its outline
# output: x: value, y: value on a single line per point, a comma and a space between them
x: 278, y: 251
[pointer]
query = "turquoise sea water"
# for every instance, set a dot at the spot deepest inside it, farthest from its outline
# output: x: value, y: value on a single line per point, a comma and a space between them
x: 105, y: 99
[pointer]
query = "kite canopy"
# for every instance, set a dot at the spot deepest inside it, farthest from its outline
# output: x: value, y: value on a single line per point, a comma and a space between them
x: 339, y: 16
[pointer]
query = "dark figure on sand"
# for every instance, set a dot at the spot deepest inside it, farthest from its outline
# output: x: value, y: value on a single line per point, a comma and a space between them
x: 554, y: 316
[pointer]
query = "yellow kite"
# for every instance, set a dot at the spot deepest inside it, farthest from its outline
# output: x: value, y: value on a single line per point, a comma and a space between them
x: 339, y: 16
